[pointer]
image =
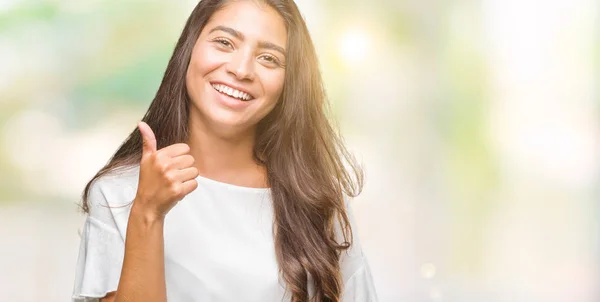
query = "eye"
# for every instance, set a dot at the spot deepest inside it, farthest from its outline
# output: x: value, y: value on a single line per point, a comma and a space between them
x: 270, y: 59
x: 223, y: 42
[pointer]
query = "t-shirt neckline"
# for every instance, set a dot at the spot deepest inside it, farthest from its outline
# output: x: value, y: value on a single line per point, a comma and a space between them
x: 231, y: 186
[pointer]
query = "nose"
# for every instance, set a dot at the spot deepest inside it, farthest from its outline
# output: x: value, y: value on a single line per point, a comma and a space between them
x: 241, y: 65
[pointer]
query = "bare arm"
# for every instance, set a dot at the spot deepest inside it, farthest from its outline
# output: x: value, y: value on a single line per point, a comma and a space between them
x: 166, y: 176
x: 110, y: 297
x: 143, y: 273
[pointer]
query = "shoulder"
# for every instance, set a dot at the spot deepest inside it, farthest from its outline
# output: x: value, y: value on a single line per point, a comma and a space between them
x: 351, y: 259
x: 114, y: 188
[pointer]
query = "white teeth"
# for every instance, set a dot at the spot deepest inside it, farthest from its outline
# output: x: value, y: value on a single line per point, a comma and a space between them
x: 232, y: 92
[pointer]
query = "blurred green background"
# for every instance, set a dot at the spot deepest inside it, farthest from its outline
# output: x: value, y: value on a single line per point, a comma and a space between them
x: 477, y: 123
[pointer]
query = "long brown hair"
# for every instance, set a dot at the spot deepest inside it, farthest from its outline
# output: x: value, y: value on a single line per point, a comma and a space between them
x: 309, y: 169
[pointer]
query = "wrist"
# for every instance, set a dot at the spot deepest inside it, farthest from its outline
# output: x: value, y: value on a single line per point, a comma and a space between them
x: 144, y: 215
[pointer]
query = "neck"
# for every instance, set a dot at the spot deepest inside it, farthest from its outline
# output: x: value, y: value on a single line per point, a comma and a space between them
x: 225, y: 157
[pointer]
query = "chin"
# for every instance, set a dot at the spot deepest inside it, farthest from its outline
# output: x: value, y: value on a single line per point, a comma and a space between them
x: 222, y: 121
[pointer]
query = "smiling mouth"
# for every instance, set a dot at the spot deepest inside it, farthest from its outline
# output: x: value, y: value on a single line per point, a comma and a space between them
x: 232, y: 92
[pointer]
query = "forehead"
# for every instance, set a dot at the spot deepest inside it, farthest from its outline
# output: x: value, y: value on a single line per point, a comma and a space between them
x: 254, y: 19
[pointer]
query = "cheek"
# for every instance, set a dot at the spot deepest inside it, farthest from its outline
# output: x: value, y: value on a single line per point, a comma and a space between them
x: 274, y: 84
x: 202, y: 62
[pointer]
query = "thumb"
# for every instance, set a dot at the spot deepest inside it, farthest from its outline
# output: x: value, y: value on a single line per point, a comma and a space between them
x: 148, y: 138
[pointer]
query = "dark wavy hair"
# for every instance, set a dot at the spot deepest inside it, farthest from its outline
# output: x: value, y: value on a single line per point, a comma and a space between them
x: 309, y: 169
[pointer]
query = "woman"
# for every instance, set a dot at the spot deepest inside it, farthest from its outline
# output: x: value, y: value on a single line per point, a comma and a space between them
x: 233, y: 187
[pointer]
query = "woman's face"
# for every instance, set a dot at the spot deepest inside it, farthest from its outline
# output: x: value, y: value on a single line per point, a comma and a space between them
x: 236, y: 71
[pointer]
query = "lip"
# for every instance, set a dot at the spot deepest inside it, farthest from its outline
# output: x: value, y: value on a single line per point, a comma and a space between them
x: 230, y: 102
x: 234, y: 87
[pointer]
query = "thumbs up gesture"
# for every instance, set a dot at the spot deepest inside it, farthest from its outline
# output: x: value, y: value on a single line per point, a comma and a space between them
x: 166, y: 175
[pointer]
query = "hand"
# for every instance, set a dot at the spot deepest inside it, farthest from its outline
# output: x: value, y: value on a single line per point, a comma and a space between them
x: 166, y: 175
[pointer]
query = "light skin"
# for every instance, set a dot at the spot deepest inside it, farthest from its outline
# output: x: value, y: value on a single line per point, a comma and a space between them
x: 243, y: 45
x: 237, y: 47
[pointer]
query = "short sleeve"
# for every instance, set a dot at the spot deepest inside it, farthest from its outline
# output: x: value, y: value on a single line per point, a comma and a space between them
x: 358, y: 281
x: 101, y: 250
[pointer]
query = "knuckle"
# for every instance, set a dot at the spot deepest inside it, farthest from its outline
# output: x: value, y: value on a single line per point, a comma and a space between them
x: 163, y: 167
x: 169, y: 177
x: 149, y: 156
x: 175, y: 190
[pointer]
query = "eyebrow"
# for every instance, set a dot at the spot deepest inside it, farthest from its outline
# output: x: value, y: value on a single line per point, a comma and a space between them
x: 239, y: 35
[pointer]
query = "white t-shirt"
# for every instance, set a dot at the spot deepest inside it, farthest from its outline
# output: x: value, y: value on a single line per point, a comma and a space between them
x: 218, y: 245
